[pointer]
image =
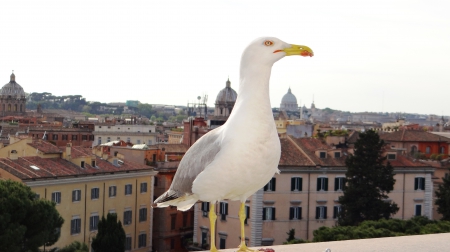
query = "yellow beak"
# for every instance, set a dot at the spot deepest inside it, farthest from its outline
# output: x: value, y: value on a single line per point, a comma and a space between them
x: 297, y: 50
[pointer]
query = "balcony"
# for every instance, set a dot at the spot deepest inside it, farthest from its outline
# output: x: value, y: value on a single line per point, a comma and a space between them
x: 433, y: 242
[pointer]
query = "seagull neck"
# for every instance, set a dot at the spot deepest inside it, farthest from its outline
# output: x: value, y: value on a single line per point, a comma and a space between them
x: 254, y: 88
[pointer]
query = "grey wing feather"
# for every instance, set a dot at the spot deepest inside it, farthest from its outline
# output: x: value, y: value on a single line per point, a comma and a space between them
x: 196, y: 159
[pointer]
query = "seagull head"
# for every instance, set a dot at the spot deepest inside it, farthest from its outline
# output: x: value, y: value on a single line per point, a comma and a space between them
x: 269, y: 50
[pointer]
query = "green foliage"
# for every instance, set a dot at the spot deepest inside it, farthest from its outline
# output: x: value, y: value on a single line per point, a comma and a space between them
x: 26, y: 223
x: 110, y: 236
x: 443, y: 198
x: 368, y: 182
x: 75, y: 246
x: 382, y: 228
x: 291, y: 238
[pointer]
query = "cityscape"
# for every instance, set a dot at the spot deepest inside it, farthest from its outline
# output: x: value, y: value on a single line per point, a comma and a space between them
x: 93, y: 158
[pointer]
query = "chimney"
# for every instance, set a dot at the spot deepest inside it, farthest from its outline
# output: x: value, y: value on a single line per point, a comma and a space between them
x: 68, y: 151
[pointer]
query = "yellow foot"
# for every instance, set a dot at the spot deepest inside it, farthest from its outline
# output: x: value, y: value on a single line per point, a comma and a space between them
x: 214, y: 250
x: 245, y: 249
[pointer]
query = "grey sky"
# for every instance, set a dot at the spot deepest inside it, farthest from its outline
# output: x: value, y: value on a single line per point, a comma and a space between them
x: 369, y: 56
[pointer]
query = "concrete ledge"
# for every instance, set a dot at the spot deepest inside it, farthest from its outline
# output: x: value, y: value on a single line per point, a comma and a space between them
x: 433, y: 242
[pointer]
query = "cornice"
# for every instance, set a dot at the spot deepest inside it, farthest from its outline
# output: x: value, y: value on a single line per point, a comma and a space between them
x: 89, y: 178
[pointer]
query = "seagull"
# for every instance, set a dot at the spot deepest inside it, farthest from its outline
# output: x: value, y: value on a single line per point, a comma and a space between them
x: 235, y: 160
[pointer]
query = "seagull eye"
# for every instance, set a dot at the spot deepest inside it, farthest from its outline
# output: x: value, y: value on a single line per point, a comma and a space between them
x: 268, y: 43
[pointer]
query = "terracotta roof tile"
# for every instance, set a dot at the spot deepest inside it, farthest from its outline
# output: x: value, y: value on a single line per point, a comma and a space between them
x: 291, y: 155
x: 413, y: 136
x: 45, y: 147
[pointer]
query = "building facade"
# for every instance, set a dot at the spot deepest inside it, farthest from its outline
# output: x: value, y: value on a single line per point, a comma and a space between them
x: 130, y: 133
x: 85, y: 188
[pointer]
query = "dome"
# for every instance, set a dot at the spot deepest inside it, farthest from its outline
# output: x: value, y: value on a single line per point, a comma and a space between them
x: 226, y: 95
x: 289, y: 98
x: 289, y: 102
x: 12, y: 88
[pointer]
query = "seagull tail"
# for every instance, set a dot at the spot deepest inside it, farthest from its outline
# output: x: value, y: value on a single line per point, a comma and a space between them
x: 182, y: 203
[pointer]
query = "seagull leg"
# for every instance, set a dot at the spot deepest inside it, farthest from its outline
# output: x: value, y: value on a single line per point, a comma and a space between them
x: 212, y: 224
x: 242, y: 216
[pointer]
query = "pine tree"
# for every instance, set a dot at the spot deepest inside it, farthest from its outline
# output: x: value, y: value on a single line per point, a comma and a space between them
x: 369, y: 178
x: 26, y: 223
x: 111, y: 235
x: 443, y: 198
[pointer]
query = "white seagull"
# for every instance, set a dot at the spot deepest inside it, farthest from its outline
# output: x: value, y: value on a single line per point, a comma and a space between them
x: 237, y: 159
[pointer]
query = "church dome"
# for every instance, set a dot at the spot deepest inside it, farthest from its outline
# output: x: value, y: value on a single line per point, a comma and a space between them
x: 289, y: 102
x: 289, y: 98
x: 12, y: 88
x: 226, y: 95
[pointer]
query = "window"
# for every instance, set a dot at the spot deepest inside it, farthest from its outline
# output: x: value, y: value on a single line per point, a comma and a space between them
x: 296, y: 184
x: 127, y: 217
x: 418, y: 210
x: 56, y: 197
x: 204, y: 237
x: 138, y: 141
x: 112, y: 191
x: 222, y: 243
x: 391, y: 156
x: 155, y: 181
x: 321, y: 212
x: 143, y: 214
x: 336, y: 211
x: 428, y: 150
x: 149, y: 142
x: 84, y: 137
x: 108, y: 139
x: 322, y: 184
x: 118, y: 138
x: 268, y: 213
x: 322, y: 154
x: 82, y: 164
x: 128, y: 243
x: 247, y: 214
x: 128, y: 189
x: 205, y: 209
x: 54, y: 137
x: 95, y: 193
x: 128, y: 140
x: 93, y: 222
x: 271, y: 185
x: 337, y: 154
x: 75, y: 225
x: 142, y: 240
x: 76, y: 195
x: 64, y: 137
x: 339, y: 183
x: 91, y: 137
x: 74, y: 137
x: 93, y: 163
x: 295, y: 213
x: 143, y: 187
x: 442, y: 150
x: 173, y: 221
x: 419, y: 183
x: 223, y: 210
x: 413, y: 149
x: 99, y: 140
x: 38, y: 196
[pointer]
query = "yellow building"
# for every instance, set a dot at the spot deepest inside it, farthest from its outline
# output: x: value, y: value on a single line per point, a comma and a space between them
x: 85, y: 188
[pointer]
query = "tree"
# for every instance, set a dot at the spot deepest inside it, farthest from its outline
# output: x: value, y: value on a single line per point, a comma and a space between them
x: 443, y: 198
x: 75, y: 246
x: 291, y: 238
x: 110, y: 236
x: 26, y: 223
x: 368, y: 182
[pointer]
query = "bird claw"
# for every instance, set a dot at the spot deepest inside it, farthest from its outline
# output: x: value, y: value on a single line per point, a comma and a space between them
x: 245, y: 249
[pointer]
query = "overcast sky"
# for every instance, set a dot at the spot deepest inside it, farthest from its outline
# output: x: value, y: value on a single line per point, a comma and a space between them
x: 390, y: 56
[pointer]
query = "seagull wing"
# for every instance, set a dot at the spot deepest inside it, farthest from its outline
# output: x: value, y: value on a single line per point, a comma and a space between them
x: 196, y: 159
